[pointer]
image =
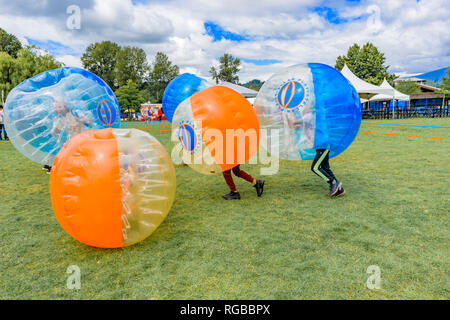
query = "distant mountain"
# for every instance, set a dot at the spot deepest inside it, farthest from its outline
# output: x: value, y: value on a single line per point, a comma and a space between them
x: 254, y: 84
x: 433, y: 76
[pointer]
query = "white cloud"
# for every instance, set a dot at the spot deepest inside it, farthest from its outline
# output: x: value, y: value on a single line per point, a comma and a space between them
x: 70, y: 61
x: 413, y: 35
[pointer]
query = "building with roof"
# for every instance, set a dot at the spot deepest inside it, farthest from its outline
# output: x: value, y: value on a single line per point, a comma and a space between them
x: 389, y: 102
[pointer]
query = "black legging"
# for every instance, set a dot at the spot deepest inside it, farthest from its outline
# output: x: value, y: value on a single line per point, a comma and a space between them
x: 321, y: 165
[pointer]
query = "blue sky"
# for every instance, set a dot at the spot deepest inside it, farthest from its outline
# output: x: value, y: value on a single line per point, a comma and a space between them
x: 55, y: 48
x: 266, y: 35
x: 218, y: 33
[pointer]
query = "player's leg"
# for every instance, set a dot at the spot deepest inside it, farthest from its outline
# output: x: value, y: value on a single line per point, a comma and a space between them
x: 321, y: 167
x: 233, y: 195
x: 258, y: 184
x: 316, y: 166
x: 336, y: 188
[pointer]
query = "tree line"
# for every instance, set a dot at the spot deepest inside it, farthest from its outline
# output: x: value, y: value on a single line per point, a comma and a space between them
x: 134, y: 80
x: 125, y: 69
x: 366, y: 62
x: 18, y: 63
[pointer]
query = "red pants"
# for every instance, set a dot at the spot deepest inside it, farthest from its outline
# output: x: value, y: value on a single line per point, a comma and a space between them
x: 239, y: 173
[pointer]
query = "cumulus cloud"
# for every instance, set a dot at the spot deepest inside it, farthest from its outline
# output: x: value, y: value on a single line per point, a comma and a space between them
x: 413, y: 34
x: 68, y: 60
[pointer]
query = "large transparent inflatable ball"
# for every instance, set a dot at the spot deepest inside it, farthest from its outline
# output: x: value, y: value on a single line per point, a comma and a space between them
x: 112, y: 188
x: 307, y: 107
x: 215, y: 130
x: 45, y: 111
x: 179, y: 89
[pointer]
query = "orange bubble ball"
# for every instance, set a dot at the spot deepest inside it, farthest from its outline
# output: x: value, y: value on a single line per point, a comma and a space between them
x: 217, y: 128
x: 112, y: 188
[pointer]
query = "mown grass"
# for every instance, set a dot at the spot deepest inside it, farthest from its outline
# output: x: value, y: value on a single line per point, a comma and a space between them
x: 293, y: 243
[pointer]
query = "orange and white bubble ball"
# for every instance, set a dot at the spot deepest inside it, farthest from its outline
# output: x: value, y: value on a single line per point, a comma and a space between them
x: 215, y: 130
x: 112, y: 188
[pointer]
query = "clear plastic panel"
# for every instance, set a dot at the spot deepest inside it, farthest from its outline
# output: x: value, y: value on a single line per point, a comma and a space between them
x: 187, y: 137
x: 44, y: 112
x: 148, y: 184
x: 285, y: 106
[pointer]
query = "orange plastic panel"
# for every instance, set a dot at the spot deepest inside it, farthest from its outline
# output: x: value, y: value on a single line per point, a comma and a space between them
x: 221, y: 108
x: 85, y: 189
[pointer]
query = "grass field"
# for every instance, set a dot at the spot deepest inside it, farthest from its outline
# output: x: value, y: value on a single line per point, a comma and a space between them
x: 293, y: 243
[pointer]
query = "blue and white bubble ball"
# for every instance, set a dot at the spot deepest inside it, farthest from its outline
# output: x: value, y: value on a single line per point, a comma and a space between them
x: 307, y: 107
x: 44, y: 112
x: 179, y: 89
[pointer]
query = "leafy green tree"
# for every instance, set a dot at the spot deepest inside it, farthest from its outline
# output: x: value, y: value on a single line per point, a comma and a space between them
x: 368, y: 63
x: 9, y: 43
x: 228, y: 69
x: 7, y: 65
x: 30, y: 61
x: 254, y: 84
x: 407, y: 87
x: 129, y: 97
x: 131, y: 64
x: 446, y: 81
x: 145, y: 94
x: 161, y: 73
x: 445, y: 87
x: 100, y: 59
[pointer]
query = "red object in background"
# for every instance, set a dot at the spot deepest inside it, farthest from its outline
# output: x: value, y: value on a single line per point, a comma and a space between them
x: 152, y: 112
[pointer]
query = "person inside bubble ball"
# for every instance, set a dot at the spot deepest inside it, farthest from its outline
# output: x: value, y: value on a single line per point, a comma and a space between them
x: 66, y: 120
x: 128, y: 177
x: 320, y: 165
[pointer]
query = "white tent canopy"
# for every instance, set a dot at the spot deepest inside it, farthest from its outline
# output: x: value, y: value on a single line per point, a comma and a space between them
x: 246, y: 92
x: 251, y: 100
x: 364, y: 89
x: 393, y: 95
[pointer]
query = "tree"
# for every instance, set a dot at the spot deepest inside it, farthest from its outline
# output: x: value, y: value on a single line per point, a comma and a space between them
x: 145, y: 94
x: 7, y: 64
x: 131, y: 64
x: 446, y: 81
x: 100, y: 59
x: 228, y: 69
x: 129, y: 97
x: 30, y: 61
x: 254, y: 84
x: 367, y: 63
x: 161, y: 73
x: 407, y: 87
x: 9, y: 43
x: 445, y: 87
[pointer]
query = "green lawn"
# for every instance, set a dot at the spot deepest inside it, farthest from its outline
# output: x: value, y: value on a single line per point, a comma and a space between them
x: 293, y: 243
